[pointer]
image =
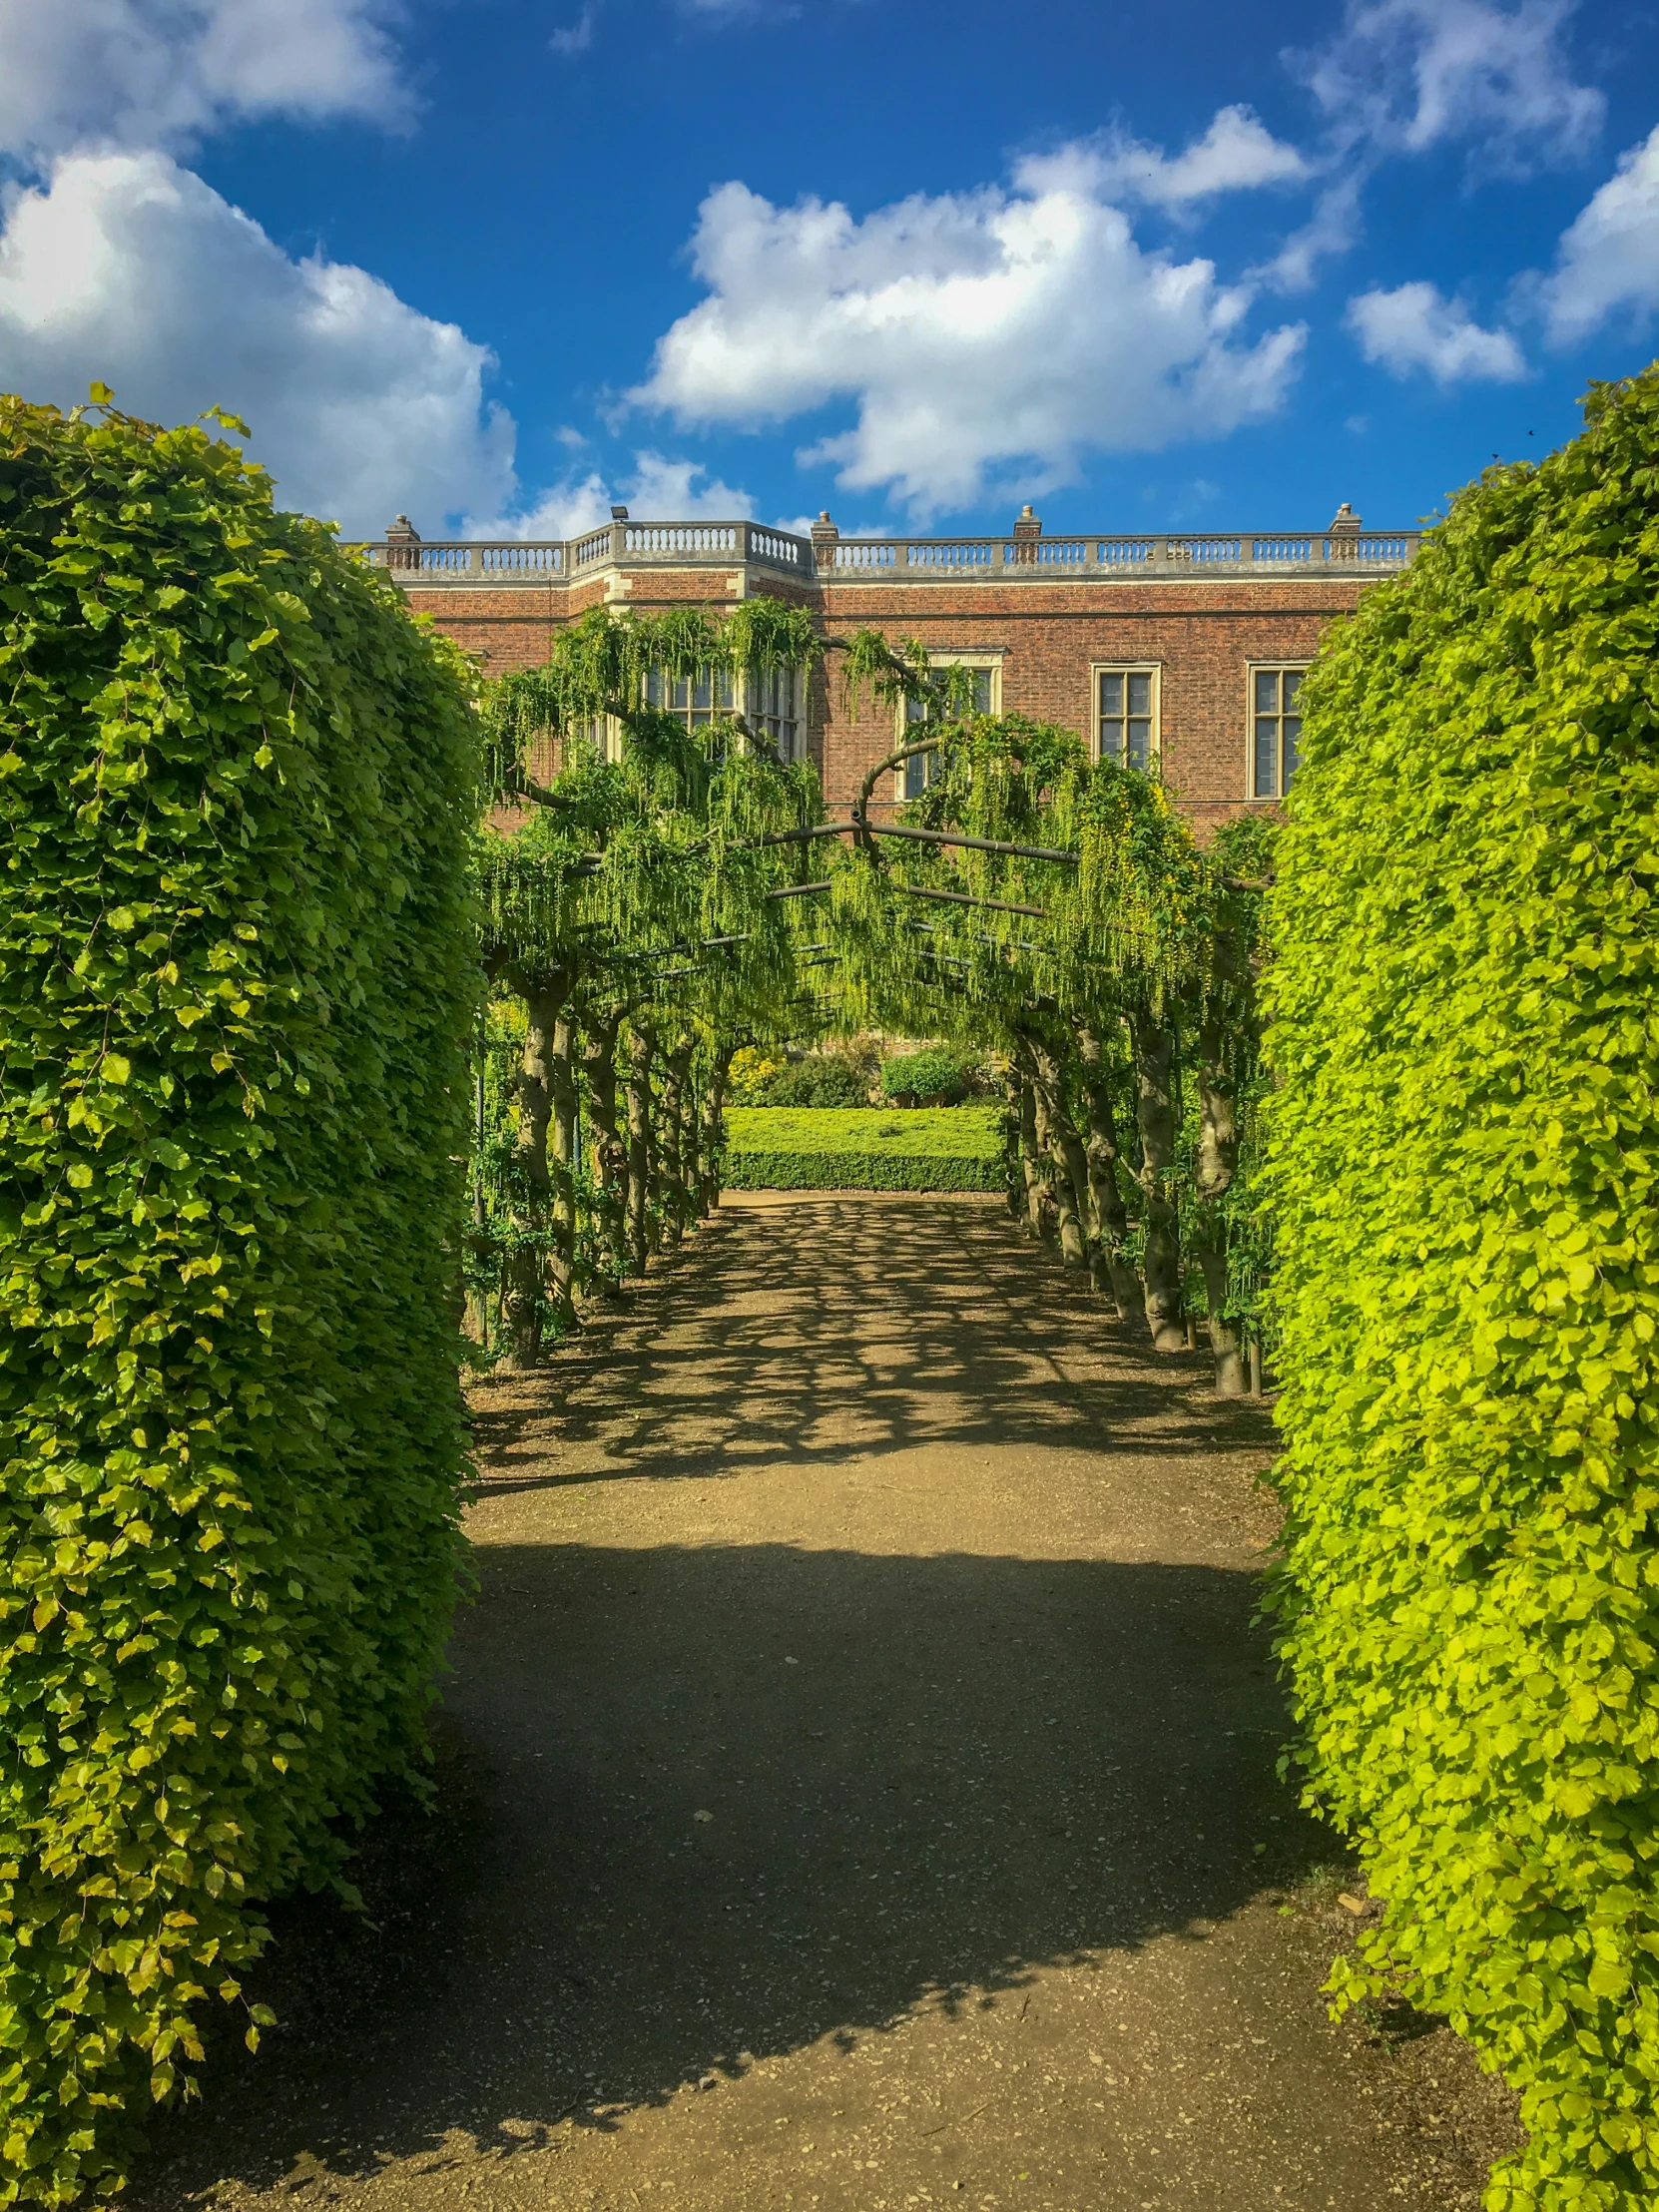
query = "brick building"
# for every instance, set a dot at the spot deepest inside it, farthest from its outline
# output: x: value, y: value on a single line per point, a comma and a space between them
x: 1180, y: 647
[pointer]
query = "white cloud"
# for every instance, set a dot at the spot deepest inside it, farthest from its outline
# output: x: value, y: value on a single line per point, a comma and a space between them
x: 1235, y: 153
x: 138, y: 73
x: 982, y: 335
x: 728, y: 11
x: 1401, y: 77
x: 657, y: 490
x: 575, y: 38
x: 1609, y: 257
x: 1407, y: 75
x: 1413, y: 326
x: 127, y: 268
x: 1332, y: 229
x: 563, y: 510
x: 671, y: 489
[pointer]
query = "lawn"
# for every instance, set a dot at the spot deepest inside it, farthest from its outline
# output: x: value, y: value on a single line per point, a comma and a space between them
x: 866, y: 1148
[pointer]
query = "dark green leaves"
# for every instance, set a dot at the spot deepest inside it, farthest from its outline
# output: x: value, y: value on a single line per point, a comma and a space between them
x: 1466, y: 1182
x: 235, y: 964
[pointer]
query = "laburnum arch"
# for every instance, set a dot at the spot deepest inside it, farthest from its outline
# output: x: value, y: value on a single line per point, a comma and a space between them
x: 656, y: 895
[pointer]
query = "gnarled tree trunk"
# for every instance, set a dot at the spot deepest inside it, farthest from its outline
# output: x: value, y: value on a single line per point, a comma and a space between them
x: 712, y: 1133
x: 610, y: 1154
x: 1059, y: 1138
x: 1154, y: 1112
x: 642, y: 1050
x: 1046, y: 1197
x: 524, y: 1299
x: 561, y: 1249
x: 1029, y: 1162
x: 671, y: 1142
x: 1218, y: 1159
x: 1111, y: 1215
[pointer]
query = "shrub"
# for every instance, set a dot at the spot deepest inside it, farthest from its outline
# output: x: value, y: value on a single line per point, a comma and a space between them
x: 820, y: 1079
x: 235, y: 974
x: 932, y: 1077
x: 751, y: 1069
x: 1464, y: 1162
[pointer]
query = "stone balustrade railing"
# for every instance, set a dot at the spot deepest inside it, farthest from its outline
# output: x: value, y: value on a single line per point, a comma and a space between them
x: 827, y: 558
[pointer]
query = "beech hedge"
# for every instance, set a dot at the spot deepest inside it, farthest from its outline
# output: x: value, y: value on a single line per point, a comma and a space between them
x: 865, y: 1149
x: 235, y: 974
x: 1463, y: 1172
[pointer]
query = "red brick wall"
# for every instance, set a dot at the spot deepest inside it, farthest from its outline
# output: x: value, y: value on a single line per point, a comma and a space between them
x: 1202, y: 636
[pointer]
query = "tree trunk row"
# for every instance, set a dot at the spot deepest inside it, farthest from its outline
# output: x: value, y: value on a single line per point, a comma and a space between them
x: 1069, y: 1177
x: 653, y: 1135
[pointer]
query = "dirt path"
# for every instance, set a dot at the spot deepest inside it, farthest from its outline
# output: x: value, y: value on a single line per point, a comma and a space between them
x: 859, y: 1793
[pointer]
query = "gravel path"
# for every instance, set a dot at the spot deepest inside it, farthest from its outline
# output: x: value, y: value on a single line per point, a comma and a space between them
x: 858, y: 1791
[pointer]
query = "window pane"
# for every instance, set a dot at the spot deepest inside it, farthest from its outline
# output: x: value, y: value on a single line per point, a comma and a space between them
x: 918, y: 774
x: 699, y: 721
x: 981, y: 691
x: 1267, y: 690
x: 680, y: 693
x: 1139, y: 693
x: 1140, y: 745
x: 1267, y: 756
x: 1293, y: 684
x: 915, y: 710
x: 723, y: 689
x: 654, y: 686
x: 1293, y: 742
x: 1111, y: 695
x: 700, y: 688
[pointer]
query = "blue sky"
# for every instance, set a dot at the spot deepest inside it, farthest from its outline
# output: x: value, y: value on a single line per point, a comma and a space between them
x: 496, y: 262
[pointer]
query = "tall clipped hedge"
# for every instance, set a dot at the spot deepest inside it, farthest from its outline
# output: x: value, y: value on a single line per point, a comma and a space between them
x: 236, y: 785
x: 1465, y: 1169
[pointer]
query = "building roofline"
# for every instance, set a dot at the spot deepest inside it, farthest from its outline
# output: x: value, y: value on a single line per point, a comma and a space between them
x: 1023, y: 556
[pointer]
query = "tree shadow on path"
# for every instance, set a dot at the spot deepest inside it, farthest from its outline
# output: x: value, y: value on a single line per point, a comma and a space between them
x: 706, y: 1800
x: 924, y: 1777
x: 802, y: 1334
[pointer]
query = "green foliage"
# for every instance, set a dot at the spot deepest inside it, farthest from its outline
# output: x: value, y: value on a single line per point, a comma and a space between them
x: 934, y: 1076
x: 950, y: 1149
x: 822, y: 1079
x: 1464, y: 1160
x: 600, y: 665
x: 236, y: 967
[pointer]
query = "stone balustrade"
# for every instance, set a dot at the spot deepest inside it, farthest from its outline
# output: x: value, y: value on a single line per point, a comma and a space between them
x: 1345, y: 550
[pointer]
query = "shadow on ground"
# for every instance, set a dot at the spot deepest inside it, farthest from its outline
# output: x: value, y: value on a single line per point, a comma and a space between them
x: 799, y: 1335
x: 706, y: 1804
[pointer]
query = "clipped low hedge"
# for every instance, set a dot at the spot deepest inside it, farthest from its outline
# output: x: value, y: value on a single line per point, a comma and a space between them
x: 864, y: 1149
x: 1463, y: 1171
x: 236, y: 783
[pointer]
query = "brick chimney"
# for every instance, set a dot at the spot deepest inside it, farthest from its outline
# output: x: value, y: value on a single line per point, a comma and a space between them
x: 402, y: 539
x: 825, y: 537
x: 1027, y: 530
x: 1345, y: 534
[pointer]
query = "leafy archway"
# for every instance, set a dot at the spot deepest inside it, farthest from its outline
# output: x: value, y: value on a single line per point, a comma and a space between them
x: 661, y: 887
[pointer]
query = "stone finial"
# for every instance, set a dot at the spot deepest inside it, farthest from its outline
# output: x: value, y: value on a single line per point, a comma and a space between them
x: 1027, y: 530
x: 402, y: 538
x: 823, y: 530
x: 1345, y: 531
